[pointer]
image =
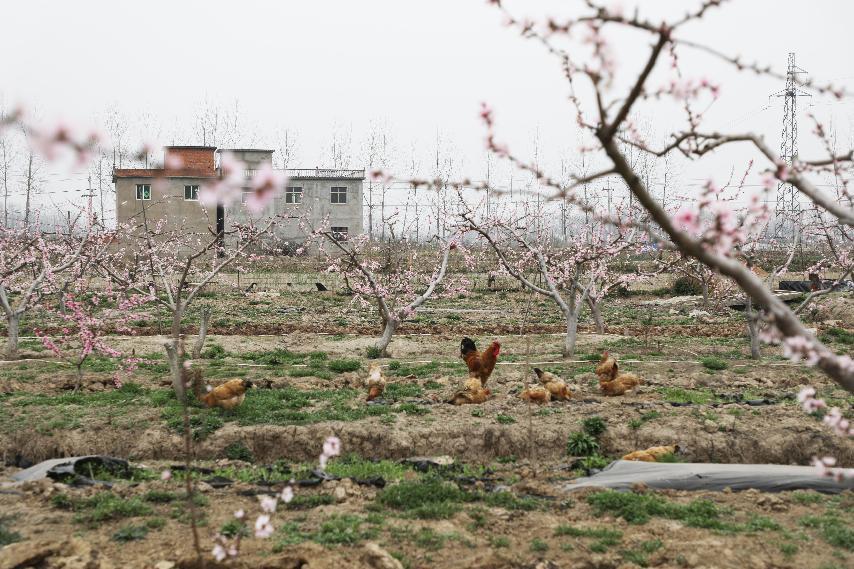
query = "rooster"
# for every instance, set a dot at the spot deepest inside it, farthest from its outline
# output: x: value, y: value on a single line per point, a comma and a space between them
x: 375, y: 382
x: 480, y: 364
x: 555, y: 385
x: 652, y: 454
x: 472, y: 393
x: 536, y: 394
x: 611, y: 381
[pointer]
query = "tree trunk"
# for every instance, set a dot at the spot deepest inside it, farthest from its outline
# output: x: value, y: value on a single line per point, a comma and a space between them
x: 29, y: 185
x: 596, y: 313
x: 571, y: 333
x: 79, y: 383
x: 13, y: 326
x: 753, y: 330
x: 705, y: 292
x: 382, y: 344
x: 175, y: 368
x: 203, y: 332
x: 174, y: 353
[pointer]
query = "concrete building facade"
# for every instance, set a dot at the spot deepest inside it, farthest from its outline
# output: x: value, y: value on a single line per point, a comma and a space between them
x: 170, y: 195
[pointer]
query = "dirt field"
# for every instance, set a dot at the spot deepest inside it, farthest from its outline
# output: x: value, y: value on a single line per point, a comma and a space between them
x: 503, y: 501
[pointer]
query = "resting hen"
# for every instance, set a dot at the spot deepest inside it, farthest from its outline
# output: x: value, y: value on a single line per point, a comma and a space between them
x: 375, y: 382
x: 611, y: 381
x: 472, y: 393
x: 652, y: 454
x: 623, y: 382
x: 556, y: 386
x: 480, y: 364
x: 228, y: 395
x: 607, y: 367
x: 536, y: 394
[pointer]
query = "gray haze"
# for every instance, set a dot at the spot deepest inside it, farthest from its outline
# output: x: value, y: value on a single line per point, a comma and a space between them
x: 415, y: 70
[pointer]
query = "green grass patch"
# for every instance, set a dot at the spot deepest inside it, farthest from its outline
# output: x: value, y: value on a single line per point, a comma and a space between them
x: 344, y: 530
x: 713, y: 363
x: 7, y: 535
x: 680, y: 395
x: 102, y: 507
x: 396, y: 391
x: 130, y: 533
x: 832, y: 528
x: 341, y: 366
x: 239, y: 451
x: 353, y: 466
x: 610, y: 535
x: 639, y: 508
x: 839, y: 335
x: 427, y: 498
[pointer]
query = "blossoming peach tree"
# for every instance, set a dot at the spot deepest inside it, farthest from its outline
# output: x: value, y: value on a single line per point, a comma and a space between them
x: 397, y: 292
x: 571, y: 274
x: 585, y: 47
x: 34, y: 264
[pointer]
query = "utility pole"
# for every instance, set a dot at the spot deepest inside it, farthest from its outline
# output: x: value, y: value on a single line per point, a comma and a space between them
x: 787, y: 212
x: 609, y: 190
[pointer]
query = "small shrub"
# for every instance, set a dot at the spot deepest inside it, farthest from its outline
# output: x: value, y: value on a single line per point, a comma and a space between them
x: 159, y: 496
x: 686, y: 286
x: 7, y: 535
x: 62, y: 501
x: 214, y: 352
x: 373, y: 353
x: 594, y: 426
x: 428, y: 538
x: 427, y: 498
x: 714, y: 363
x: 155, y: 523
x: 341, y: 366
x: 839, y: 335
x: 539, y: 546
x: 130, y: 533
x: 788, y: 549
x: 499, y: 541
x: 239, y: 451
x: 505, y: 419
x: 233, y: 528
x: 343, y: 530
x: 594, y: 462
x: 581, y: 444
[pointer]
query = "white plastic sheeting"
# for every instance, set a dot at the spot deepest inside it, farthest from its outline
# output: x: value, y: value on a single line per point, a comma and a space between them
x: 622, y: 474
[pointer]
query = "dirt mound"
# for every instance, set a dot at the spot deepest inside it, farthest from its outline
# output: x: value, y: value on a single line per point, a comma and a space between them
x: 46, y: 554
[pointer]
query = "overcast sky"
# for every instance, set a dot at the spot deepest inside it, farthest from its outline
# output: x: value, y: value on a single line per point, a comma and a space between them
x: 420, y: 67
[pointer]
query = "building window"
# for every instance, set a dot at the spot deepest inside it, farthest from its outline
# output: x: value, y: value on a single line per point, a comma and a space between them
x: 339, y: 195
x: 340, y: 233
x: 143, y: 191
x: 293, y: 195
x: 191, y: 193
